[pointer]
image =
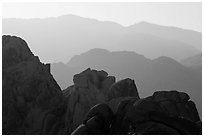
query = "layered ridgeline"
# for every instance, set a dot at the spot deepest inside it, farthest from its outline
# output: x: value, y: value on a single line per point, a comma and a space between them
x: 162, y: 73
x: 33, y: 103
x: 193, y: 61
x: 66, y: 35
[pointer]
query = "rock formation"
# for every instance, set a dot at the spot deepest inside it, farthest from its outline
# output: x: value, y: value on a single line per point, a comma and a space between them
x: 163, y: 108
x: 123, y: 88
x: 92, y: 87
x: 165, y: 112
x: 32, y: 101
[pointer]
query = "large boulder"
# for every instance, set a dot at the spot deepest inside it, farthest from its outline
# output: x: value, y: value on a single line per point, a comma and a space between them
x: 89, y: 76
x: 148, y: 116
x: 92, y: 87
x: 88, y: 90
x: 30, y: 95
x: 96, y: 122
x: 177, y: 104
x: 165, y: 112
x: 123, y: 88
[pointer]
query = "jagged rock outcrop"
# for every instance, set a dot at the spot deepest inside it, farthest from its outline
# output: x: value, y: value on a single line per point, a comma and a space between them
x: 177, y: 104
x: 14, y: 51
x: 32, y: 102
x: 123, y: 88
x: 163, y: 113
x: 86, y: 92
x: 98, y: 118
x: 168, y: 111
x: 90, y: 88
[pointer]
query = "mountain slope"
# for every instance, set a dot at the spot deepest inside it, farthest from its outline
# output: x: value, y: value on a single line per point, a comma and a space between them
x: 162, y: 73
x: 194, y: 61
x: 32, y: 102
x: 172, y: 33
x: 68, y: 35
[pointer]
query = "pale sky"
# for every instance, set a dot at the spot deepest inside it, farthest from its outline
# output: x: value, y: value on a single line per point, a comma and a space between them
x: 183, y: 15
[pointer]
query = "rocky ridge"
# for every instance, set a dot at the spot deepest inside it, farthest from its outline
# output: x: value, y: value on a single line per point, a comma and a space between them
x: 32, y: 100
x: 33, y: 103
x: 92, y: 87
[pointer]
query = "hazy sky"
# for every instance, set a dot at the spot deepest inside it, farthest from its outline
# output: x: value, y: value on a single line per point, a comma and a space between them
x: 183, y: 15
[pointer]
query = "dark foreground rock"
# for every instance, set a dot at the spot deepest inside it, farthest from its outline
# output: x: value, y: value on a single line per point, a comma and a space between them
x: 163, y: 113
x: 32, y: 102
x: 90, y: 88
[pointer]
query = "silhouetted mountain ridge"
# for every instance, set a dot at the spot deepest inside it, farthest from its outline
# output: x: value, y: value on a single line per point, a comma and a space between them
x: 66, y: 35
x: 33, y: 103
x: 105, y: 56
x: 162, y: 73
x: 169, y: 32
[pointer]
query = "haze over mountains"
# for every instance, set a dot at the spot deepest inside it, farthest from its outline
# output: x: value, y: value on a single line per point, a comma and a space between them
x: 158, y: 74
x: 34, y: 104
x: 69, y: 35
x: 148, y: 53
x: 193, y: 61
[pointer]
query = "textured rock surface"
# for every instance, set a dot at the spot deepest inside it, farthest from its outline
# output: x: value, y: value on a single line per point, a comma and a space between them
x: 86, y: 92
x: 99, y: 118
x: 123, y: 88
x: 163, y: 113
x: 162, y: 108
x: 90, y: 88
x: 177, y: 104
x: 14, y: 51
x: 32, y: 102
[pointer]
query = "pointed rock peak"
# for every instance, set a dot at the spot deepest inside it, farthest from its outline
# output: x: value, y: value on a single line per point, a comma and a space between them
x: 28, y: 91
x: 15, y: 50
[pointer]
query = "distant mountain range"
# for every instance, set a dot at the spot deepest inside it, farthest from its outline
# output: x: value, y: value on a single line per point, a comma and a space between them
x: 96, y: 104
x: 161, y: 57
x: 193, y: 61
x: 58, y: 39
x: 162, y: 73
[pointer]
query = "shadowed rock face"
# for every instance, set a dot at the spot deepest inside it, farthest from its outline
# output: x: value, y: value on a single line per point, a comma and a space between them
x: 163, y: 108
x: 163, y: 113
x: 162, y: 73
x: 14, y: 51
x: 92, y: 87
x: 123, y: 88
x: 32, y: 102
